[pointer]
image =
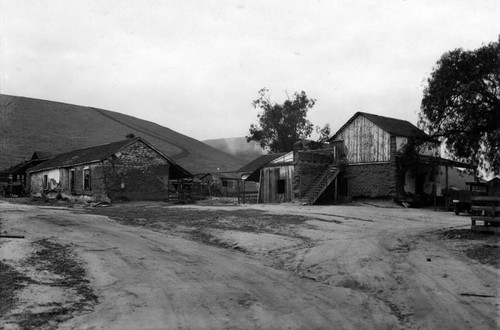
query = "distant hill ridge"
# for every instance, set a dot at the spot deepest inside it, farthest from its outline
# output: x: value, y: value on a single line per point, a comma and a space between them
x: 238, y: 147
x: 28, y: 125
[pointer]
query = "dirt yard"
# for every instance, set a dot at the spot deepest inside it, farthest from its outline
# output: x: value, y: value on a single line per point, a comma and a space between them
x: 221, y: 266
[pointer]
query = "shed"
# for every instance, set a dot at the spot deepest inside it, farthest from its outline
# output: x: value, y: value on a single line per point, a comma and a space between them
x: 13, y: 180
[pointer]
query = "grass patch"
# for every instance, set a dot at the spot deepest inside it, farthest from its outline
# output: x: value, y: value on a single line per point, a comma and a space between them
x: 57, y: 259
x: 481, y: 246
x: 10, y: 281
x: 169, y: 218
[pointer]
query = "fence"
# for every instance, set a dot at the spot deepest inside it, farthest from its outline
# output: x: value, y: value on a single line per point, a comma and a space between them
x: 248, y: 197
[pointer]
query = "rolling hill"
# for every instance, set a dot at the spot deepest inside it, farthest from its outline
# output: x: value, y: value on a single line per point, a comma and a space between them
x: 28, y: 124
x: 238, y: 147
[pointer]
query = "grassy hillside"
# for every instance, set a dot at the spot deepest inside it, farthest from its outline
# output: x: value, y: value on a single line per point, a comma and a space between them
x: 238, y: 147
x: 28, y: 124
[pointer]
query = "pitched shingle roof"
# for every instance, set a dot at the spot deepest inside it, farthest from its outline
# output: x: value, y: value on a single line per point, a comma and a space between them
x: 83, y: 156
x: 259, y: 162
x: 42, y: 155
x: 98, y: 153
x: 393, y: 126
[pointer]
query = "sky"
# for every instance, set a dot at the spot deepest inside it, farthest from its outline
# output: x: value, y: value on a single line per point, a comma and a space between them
x: 196, y: 66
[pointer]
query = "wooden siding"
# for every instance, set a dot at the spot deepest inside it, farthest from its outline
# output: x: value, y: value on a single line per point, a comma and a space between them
x: 287, y: 158
x: 269, y: 184
x: 365, y: 142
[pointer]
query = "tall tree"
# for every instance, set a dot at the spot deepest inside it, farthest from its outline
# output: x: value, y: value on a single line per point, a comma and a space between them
x: 281, y: 125
x: 461, y: 105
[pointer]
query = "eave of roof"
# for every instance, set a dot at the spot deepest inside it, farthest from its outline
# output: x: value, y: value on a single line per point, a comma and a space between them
x: 259, y: 162
x: 424, y: 159
x: 95, y: 154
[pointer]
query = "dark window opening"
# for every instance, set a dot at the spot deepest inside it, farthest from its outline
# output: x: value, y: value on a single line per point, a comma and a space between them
x: 281, y: 186
x: 72, y: 180
x: 45, y: 182
x: 86, y: 179
x: 224, y: 183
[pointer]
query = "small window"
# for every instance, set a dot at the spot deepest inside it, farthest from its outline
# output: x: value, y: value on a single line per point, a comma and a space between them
x: 224, y: 183
x: 45, y: 182
x: 86, y: 179
x: 281, y: 186
x: 72, y: 180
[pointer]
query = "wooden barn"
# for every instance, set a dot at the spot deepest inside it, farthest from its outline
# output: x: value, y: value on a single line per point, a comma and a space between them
x: 131, y: 169
x: 375, y: 156
x: 364, y: 158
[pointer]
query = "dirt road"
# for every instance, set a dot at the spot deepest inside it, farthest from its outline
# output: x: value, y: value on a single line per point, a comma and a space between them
x: 343, y: 267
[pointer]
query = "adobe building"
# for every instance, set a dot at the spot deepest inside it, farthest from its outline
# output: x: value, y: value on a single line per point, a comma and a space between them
x: 131, y: 169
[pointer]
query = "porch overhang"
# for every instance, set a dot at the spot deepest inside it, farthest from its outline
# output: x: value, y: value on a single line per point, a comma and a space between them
x: 431, y: 160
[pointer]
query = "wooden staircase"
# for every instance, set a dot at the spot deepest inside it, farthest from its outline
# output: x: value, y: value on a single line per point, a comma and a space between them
x: 320, y: 184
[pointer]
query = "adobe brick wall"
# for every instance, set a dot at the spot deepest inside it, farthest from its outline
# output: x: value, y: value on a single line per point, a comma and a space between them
x: 136, y: 173
x: 137, y: 183
x: 372, y: 180
x: 304, y: 176
x: 138, y: 155
x: 36, y: 184
x: 97, y: 191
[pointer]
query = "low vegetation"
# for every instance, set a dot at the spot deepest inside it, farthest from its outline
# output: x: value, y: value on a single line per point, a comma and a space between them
x: 65, y: 272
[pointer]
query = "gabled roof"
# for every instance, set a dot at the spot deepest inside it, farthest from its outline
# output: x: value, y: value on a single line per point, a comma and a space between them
x: 96, y: 154
x: 254, y: 166
x: 18, y: 168
x: 392, y: 126
x: 83, y: 156
x: 259, y: 162
x: 42, y: 155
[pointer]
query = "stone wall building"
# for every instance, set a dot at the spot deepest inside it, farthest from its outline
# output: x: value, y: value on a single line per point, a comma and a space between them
x: 131, y: 169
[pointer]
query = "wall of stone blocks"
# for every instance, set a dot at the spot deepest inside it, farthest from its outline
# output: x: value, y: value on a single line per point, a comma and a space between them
x: 136, y: 172
x: 304, y: 176
x: 372, y: 180
x: 137, y: 183
x: 138, y: 154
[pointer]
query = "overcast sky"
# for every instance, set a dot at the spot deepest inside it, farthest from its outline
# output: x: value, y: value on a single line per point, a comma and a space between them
x: 196, y: 66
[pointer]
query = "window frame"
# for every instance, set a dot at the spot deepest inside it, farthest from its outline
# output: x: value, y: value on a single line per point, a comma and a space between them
x: 45, y: 182
x: 87, y: 182
x: 72, y: 180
